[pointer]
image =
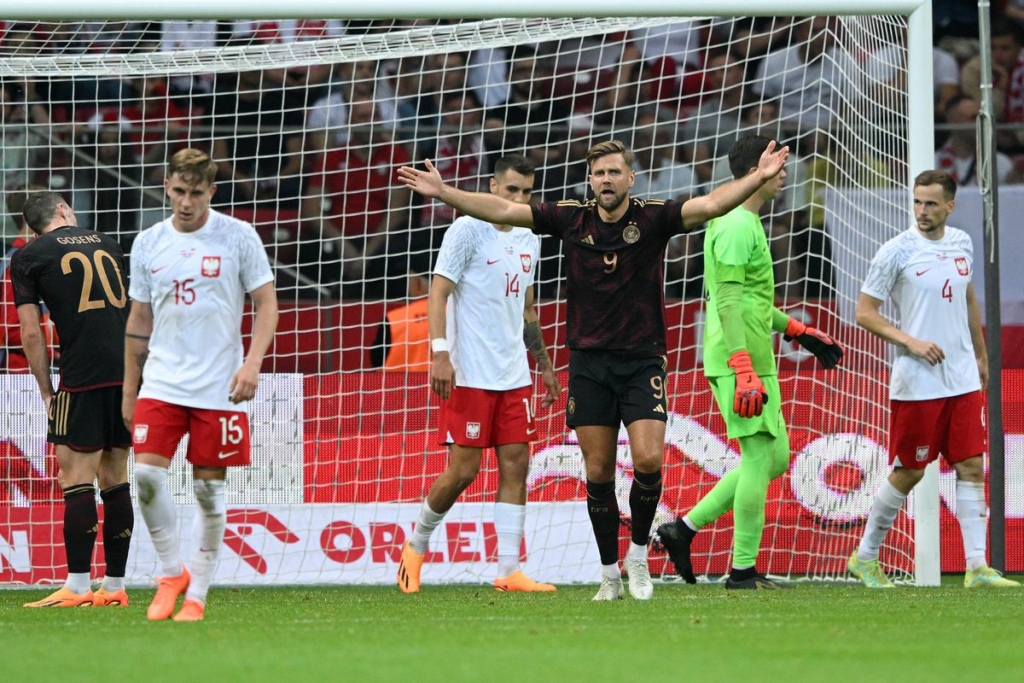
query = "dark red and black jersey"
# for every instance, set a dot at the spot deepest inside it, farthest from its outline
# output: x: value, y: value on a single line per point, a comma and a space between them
x: 614, y: 272
x: 79, y: 274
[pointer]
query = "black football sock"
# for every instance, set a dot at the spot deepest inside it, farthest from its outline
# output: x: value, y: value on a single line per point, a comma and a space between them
x: 118, y: 522
x: 604, y: 517
x: 80, y: 525
x: 644, y: 496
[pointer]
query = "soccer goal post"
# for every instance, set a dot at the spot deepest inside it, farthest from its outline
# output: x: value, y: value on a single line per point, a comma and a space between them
x: 309, y: 110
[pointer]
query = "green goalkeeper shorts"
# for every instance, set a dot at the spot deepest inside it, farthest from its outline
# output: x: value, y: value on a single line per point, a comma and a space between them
x: 770, y: 421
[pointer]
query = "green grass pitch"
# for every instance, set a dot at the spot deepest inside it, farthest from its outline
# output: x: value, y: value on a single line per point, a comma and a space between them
x: 696, y: 634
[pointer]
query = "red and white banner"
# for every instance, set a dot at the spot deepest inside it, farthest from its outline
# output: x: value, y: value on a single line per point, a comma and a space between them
x: 344, y: 470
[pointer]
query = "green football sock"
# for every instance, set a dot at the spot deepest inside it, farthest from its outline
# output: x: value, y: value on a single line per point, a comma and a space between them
x: 761, y: 456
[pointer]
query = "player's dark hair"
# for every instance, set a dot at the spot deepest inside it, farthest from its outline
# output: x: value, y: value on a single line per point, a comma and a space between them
x: 16, y: 199
x: 193, y: 167
x: 41, y: 208
x: 745, y: 154
x: 603, y: 149
x: 938, y: 178
x: 515, y: 162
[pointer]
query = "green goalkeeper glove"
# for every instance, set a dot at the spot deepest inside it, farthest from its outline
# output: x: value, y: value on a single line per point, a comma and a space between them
x: 826, y: 349
x: 750, y: 394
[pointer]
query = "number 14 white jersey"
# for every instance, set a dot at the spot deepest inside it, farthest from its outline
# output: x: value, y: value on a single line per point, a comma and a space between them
x: 927, y: 280
x: 492, y: 271
x: 196, y: 284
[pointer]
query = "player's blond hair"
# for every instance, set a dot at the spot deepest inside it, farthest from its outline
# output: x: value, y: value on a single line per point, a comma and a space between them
x: 193, y: 166
x: 603, y: 149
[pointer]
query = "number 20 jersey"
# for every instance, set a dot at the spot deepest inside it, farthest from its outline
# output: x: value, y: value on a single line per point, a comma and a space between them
x: 927, y: 280
x: 196, y: 284
x: 79, y: 274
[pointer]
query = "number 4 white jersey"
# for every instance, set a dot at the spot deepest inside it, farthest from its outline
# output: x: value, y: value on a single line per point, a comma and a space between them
x: 927, y: 280
x: 492, y: 271
x: 196, y: 284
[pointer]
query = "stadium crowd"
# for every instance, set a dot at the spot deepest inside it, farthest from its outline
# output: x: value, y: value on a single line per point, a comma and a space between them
x: 308, y: 154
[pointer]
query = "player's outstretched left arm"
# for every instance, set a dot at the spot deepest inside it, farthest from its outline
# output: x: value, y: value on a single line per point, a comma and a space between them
x: 725, y: 198
x: 243, y: 384
x: 826, y: 349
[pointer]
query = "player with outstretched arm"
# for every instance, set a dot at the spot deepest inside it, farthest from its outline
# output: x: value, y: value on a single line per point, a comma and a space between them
x: 614, y: 257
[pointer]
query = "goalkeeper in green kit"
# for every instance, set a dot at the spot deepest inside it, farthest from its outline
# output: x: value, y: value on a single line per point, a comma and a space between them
x: 739, y: 362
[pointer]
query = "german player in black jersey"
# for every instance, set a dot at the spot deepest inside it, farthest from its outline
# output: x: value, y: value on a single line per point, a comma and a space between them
x: 79, y: 275
x: 614, y: 254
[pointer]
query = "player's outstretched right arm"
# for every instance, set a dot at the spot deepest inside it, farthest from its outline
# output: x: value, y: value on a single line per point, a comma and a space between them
x: 481, y: 205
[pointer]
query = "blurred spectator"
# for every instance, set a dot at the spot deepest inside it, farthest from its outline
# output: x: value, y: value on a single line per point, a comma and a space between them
x: 658, y: 174
x: 327, y: 119
x: 488, y: 75
x: 521, y: 124
x: 1014, y: 10
x: 680, y: 41
x: 116, y: 178
x: 355, y: 206
x: 458, y: 154
x: 12, y: 356
x: 1007, y: 80
x: 403, y: 339
x: 191, y: 90
x: 714, y: 126
x: 887, y: 68
x: 635, y: 85
x: 257, y: 141
x: 955, y: 27
x: 812, y: 79
x: 423, y: 88
x: 958, y: 155
x: 19, y: 150
x: 283, y: 31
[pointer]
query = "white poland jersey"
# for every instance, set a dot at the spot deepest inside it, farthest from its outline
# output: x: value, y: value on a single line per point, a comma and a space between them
x: 196, y: 284
x: 927, y: 280
x: 492, y: 271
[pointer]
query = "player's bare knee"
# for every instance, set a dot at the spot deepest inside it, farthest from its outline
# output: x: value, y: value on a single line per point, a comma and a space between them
x: 971, y: 469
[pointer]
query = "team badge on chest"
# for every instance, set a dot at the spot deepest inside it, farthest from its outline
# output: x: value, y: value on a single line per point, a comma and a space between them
x: 527, y: 262
x: 211, y: 266
x: 631, y: 234
x: 961, y: 266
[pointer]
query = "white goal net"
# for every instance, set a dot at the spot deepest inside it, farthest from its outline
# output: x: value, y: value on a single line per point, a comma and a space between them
x: 309, y: 121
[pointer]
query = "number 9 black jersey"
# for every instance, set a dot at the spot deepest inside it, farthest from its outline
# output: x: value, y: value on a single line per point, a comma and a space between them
x: 79, y: 274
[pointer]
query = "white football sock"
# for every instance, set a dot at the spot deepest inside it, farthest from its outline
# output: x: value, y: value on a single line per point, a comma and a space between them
x: 636, y: 552
x: 883, y: 513
x: 611, y: 571
x: 972, y: 514
x: 210, y: 523
x: 157, y: 507
x: 78, y: 583
x: 112, y: 584
x: 426, y: 522
x: 509, y: 522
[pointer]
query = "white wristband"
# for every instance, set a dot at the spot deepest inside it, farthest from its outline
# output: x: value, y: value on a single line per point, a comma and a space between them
x: 439, y: 345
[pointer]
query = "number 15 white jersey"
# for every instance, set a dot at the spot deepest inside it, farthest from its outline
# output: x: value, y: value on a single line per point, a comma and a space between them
x: 196, y: 284
x: 927, y: 280
x: 492, y: 271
